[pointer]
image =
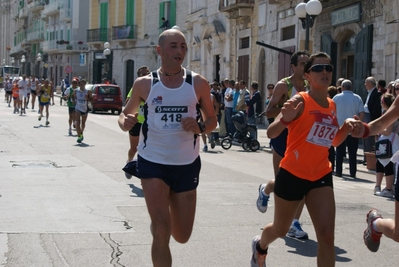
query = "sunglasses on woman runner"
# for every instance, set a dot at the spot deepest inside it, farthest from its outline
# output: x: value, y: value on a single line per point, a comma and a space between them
x: 321, y: 67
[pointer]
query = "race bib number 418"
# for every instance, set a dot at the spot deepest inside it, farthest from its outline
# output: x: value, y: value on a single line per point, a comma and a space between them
x: 323, y: 131
x: 169, y: 117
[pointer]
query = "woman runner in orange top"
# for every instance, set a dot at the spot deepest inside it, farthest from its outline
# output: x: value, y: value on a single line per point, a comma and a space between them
x: 15, y: 96
x: 305, y: 171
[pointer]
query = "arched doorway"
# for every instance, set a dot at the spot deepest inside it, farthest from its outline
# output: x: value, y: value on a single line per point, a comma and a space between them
x: 129, y: 76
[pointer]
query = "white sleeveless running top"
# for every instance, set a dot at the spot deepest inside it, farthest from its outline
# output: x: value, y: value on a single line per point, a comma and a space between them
x: 162, y: 139
x: 81, y: 100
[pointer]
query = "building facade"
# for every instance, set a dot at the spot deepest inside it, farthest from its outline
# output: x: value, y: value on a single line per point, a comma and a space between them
x: 50, y: 36
x: 248, y: 40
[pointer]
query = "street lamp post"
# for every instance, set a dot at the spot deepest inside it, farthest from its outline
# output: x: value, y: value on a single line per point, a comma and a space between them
x: 38, y: 59
x: 307, y: 13
x: 23, y: 60
x: 107, y: 52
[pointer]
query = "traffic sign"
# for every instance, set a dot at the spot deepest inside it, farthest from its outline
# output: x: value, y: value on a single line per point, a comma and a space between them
x: 68, y: 69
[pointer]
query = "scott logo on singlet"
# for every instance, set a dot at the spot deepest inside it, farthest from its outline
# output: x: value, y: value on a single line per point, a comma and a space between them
x: 171, y: 109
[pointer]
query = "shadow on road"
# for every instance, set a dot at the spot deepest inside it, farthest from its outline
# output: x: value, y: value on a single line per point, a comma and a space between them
x: 308, y: 248
x: 136, y: 190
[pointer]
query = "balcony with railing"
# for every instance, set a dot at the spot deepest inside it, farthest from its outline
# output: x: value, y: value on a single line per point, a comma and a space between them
x: 124, y: 32
x: 65, y: 14
x: 52, y: 8
x: 233, y: 5
x: 98, y: 35
x: 23, y: 12
x: 36, y: 5
x: 35, y: 31
x: 50, y: 46
x: 16, y: 49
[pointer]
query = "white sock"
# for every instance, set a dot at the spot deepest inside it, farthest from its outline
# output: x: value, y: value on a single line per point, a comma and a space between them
x: 264, y: 194
x: 374, y: 225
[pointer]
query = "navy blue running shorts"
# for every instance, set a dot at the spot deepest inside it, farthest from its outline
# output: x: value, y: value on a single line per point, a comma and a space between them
x: 279, y: 143
x: 180, y: 178
x: 292, y: 188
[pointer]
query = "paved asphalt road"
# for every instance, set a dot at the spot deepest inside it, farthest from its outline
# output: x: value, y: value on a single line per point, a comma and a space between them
x: 69, y: 204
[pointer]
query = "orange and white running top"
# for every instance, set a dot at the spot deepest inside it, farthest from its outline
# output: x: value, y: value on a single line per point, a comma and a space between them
x: 310, y: 136
x: 15, y: 90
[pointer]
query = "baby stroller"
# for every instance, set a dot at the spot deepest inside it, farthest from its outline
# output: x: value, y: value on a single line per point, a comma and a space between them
x: 246, y: 132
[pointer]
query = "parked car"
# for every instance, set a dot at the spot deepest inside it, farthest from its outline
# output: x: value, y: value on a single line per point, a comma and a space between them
x: 105, y: 97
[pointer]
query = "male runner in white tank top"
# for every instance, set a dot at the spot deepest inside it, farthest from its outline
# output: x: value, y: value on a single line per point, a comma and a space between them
x: 168, y: 151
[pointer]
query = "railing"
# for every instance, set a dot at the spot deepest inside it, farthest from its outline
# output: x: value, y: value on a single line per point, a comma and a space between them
x: 35, y: 31
x: 35, y: 35
x: 16, y: 48
x: 65, y: 14
x: 124, y: 32
x: 98, y: 35
x: 52, y: 7
x: 226, y: 5
x: 36, y: 5
x: 23, y: 12
x: 50, y: 45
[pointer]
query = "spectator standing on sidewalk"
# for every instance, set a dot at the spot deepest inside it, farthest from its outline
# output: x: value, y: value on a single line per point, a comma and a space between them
x: 372, y: 111
x: 386, y: 166
x: 243, y: 97
x: 254, y: 103
x: 222, y: 123
x: 348, y: 104
x: 228, y: 106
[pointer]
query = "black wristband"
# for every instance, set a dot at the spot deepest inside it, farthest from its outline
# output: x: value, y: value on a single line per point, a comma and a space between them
x: 201, y: 127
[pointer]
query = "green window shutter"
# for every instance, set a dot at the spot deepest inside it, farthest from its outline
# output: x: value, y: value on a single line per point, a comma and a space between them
x: 104, y: 15
x: 172, y: 15
x: 69, y: 34
x: 161, y: 12
x: 129, y: 12
x: 172, y: 12
x: 104, y: 22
